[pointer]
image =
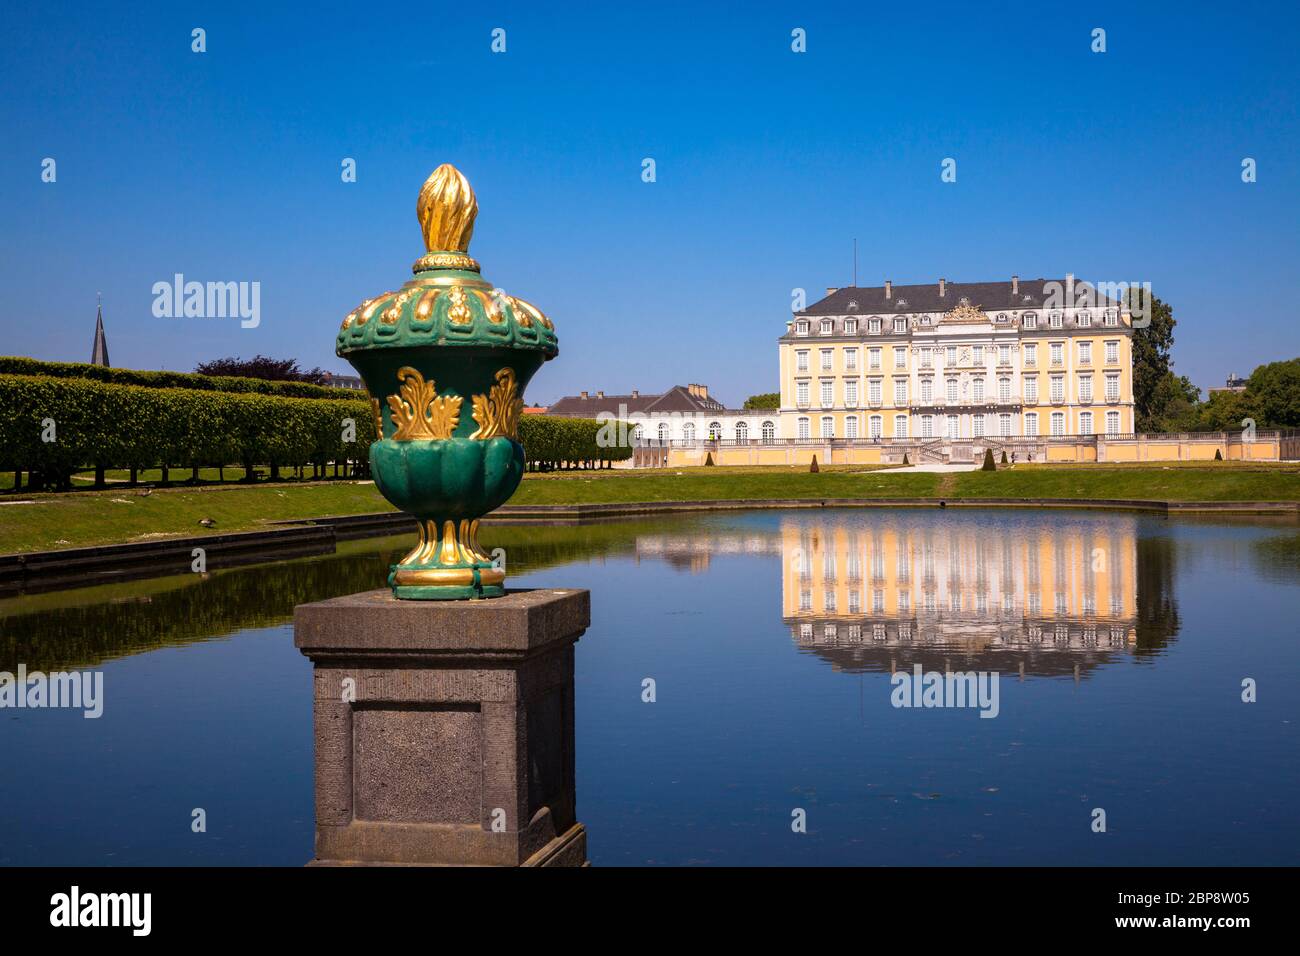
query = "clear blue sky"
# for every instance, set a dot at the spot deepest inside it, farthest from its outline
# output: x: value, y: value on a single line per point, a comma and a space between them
x: 225, y: 166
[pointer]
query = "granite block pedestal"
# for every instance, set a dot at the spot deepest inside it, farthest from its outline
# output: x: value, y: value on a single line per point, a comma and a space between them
x: 444, y: 729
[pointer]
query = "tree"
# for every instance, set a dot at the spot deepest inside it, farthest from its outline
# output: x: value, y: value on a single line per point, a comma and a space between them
x: 1151, y: 361
x: 260, y: 366
x: 1172, y: 406
x: 988, y: 461
x: 764, y: 400
x: 1273, y: 392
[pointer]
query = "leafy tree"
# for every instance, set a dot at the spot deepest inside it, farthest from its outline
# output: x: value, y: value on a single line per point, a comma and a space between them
x: 1173, y: 405
x: 1151, y: 361
x: 260, y: 366
x: 764, y: 401
x: 1273, y: 392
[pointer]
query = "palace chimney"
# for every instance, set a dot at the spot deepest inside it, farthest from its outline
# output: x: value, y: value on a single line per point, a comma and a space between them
x: 889, y: 290
x: 1015, y: 285
x: 831, y: 290
x: 583, y: 395
x: 1069, y: 289
x: 943, y: 288
x: 600, y: 394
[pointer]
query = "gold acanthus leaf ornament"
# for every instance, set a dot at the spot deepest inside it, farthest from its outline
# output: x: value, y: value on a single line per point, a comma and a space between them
x: 446, y: 209
x: 420, y: 413
x: 498, y: 412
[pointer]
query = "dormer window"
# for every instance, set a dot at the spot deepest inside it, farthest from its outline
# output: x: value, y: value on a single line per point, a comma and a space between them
x: 925, y: 319
x: 873, y: 326
x: 801, y: 327
x: 1030, y: 320
x: 1002, y: 316
x: 853, y: 305
x: 850, y: 326
x: 1055, y: 318
x: 828, y: 326
x: 1084, y: 319
x: 900, y: 325
x: 1112, y: 317
x: 902, y: 303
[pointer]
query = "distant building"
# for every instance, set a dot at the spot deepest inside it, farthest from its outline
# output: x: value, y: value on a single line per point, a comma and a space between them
x: 99, y: 351
x: 684, y: 414
x: 334, y: 380
x: 1235, y: 384
x: 534, y: 409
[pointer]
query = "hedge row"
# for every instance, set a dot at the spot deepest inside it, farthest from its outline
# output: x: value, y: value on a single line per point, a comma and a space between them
x: 129, y: 426
x: 102, y: 425
x: 570, y: 442
x: 18, y: 365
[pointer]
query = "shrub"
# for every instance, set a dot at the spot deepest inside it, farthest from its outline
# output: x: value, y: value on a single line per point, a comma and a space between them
x: 988, y: 461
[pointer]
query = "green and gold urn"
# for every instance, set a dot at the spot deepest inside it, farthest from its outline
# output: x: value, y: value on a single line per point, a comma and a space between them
x: 446, y: 358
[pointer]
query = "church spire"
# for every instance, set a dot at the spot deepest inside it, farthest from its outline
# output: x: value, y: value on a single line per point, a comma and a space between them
x: 99, y: 352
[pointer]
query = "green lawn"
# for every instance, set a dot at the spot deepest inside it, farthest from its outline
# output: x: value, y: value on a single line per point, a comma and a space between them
x: 118, y: 515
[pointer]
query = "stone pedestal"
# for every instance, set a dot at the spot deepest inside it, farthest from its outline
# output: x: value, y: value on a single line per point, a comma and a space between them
x: 444, y: 729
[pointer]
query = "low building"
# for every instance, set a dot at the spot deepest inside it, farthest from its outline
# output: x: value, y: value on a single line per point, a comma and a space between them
x: 335, y: 380
x: 683, y: 415
x: 1235, y: 383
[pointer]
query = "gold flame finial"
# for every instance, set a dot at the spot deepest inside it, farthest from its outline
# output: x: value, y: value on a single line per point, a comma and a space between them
x: 446, y: 209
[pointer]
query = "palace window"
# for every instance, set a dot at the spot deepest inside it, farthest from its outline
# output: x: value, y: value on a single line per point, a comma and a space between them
x: 1058, y: 388
x: 1083, y: 319
x: 900, y: 326
x: 952, y: 427
x: 900, y: 358
x: 688, y: 431
x: 1085, y: 388
x: 1002, y: 316
x: 1058, y: 423
x: 827, y: 360
x: 1085, y: 423
x: 1111, y: 317
x: 1004, y: 424
x: 1112, y: 388
x: 873, y: 391
x: 1031, y: 355
x: 715, y: 431
x: 1057, y: 353
x: 977, y: 353
x: 742, y: 433
x: 850, y: 360
x: 1030, y: 320
x: 663, y: 431
x: 1031, y: 423
x: 950, y: 356
x: 828, y: 427
x: 977, y: 426
x: 900, y: 391
x: 900, y: 426
x: 927, y: 390
x: 1004, y: 354
x: 828, y: 326
x: 877, y: 426
x: 803, y: 429
x: 1085, y: 353
x: 1112, y: 423
x: 850, y: 326
x: 1004, y: 390
x: 1055, y: 318
x: 927, y: 426
x: 873, y: 358
x: 927, y: 358
x: 801, y: 360
x: 769, y: 433
x: 951, y: 386
x: 828, y: 393
x: 851, y: 393
x: 873, y: 326
x: 801, y: 394
x: 977, y: 390
x: 801, y: 327
x: 1112, y: 353
x: 851, y: 427
x: 1031, y: 390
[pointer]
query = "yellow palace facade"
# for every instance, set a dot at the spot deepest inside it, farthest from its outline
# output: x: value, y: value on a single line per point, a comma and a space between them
x: 1038, y: 358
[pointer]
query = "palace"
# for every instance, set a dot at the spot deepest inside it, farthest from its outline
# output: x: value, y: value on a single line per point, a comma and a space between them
x: 957, y: 361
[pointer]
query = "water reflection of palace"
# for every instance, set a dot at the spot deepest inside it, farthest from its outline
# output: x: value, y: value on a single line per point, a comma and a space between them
x: 962, y: 592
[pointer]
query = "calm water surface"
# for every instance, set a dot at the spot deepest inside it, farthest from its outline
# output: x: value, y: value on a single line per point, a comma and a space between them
x: 1121, y: 642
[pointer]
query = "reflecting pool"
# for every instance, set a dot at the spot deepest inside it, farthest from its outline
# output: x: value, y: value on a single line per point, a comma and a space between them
x: 776, y: 644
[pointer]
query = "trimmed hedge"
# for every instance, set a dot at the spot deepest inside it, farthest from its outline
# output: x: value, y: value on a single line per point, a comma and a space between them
x: 18, y: 365
x: 129, y: 426
x: 106, y: 425
x: 569, y: 442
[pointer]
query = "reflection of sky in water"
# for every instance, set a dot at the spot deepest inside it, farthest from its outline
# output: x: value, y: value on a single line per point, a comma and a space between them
x: 753, y: 718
